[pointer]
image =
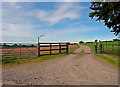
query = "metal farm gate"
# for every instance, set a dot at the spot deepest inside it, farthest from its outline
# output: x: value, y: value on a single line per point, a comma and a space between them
x: 17, y: 51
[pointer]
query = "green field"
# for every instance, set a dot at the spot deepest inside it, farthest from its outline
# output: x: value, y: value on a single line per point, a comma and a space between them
x: 109, y: 50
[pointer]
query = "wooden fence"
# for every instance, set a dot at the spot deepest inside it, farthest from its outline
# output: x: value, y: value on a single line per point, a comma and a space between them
x: 113, y: 49
x: 52, y: 47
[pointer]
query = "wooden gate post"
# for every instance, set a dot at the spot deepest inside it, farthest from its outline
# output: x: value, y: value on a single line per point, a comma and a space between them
x: 59, y: 48
x: 100, y: 48
x: 20, y: 51
x: 112, y: 49
x: 106, y: 49
x: 103, y: 48
x: 96, y: 48
x: 50, y: 48
x: 67, y: 47
x: 38, y: 50
x: 119, y: 51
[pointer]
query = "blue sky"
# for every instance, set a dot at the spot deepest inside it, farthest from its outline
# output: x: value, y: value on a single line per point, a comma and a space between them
x: 58, y: 21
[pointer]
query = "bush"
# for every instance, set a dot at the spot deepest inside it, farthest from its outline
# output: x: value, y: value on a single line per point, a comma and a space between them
x: 81, y: 42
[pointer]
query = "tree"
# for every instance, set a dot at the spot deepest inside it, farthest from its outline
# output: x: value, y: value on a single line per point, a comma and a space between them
x: 4, y: 44
x: 32, y: 45
x: 115, y: 39
x: 81, y: 42
x: 14, y: 45
x: 109, y: 12
x: 96, y: 40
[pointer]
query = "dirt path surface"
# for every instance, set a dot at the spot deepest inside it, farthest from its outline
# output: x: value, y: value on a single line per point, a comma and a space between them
x: 73, y: 69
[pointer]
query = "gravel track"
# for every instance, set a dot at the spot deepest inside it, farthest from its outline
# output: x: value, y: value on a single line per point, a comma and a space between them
x: 73, y: 69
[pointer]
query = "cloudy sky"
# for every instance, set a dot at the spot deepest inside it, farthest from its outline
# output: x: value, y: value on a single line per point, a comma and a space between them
x: 58, y: 21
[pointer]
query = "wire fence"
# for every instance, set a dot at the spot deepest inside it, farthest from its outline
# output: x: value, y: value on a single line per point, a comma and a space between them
x: 113, y: 49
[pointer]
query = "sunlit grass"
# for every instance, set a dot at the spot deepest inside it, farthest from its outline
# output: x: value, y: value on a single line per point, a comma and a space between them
x: 111, y: 60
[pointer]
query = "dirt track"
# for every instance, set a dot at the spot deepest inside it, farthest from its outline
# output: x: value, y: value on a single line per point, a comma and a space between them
x: 73, y: 69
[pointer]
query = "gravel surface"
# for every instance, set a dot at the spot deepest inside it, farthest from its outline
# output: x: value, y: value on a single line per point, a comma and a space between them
x: 73, y: 69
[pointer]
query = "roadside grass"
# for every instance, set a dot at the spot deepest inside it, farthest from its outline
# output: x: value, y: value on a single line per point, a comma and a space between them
x: 30, y: 58
x: 113, y: 61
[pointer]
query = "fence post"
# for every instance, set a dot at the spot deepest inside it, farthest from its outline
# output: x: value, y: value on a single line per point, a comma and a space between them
x: 70, y: 47
x: 38, y: 49
x: 119, y: 51
x: 50, y: 48
x: 103, y: 48
x: 106, y: 48
x: 112, y: 49
x: 66, y: 47
x: 20, y: 51
x: 59, y: 48
x: 100, y: 48
x: 96, y: 48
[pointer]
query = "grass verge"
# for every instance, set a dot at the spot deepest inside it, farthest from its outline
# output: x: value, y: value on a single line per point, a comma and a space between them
x: 113, y: 61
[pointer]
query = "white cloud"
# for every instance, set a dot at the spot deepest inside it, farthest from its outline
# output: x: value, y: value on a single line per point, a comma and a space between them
x: 62, y: 11
x: 81, y: 28
x: 16, y: 30
x: 51, y: 17
x: 12, y: 5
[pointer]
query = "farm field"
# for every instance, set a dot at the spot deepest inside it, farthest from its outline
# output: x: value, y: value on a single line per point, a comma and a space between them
x: 31, y: 56
x: 28, y: 50
x: 111, y: 48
